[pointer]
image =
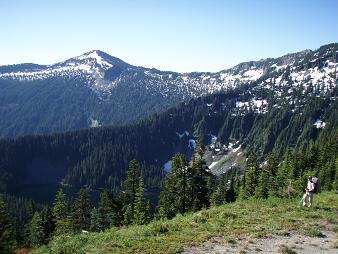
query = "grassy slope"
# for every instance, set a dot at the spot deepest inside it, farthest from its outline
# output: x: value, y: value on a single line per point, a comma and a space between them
x: 254, y: 218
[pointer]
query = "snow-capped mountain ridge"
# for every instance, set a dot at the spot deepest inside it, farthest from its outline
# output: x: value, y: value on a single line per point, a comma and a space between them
x: 92, y: 65
x: 111, y: 91
x: 89, y: 67
x: 103, y: 73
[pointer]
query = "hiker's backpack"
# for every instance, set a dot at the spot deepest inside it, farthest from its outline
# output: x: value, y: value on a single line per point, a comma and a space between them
x: 315, y: 182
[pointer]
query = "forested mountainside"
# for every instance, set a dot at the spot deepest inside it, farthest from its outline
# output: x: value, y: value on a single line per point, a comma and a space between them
x: 251, y: 117
x: 96, y: 89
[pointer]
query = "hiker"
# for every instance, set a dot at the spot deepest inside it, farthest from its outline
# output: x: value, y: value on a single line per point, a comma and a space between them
x: 309, y: 192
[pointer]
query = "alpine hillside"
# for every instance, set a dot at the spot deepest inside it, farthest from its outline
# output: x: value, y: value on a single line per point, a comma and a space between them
x: 96, y: 89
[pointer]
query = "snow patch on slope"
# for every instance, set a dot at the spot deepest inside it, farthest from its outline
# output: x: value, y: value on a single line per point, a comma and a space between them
x: 181, y: 135
x: 168, y: 166
x: 192, y: 143
x: 94, y: 123
x: 319, y: 124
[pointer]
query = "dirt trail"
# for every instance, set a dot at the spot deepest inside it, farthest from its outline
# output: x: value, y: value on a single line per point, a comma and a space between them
x: 293, y: 243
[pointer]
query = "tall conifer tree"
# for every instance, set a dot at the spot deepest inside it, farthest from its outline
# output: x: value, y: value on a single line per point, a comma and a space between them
x: 95, y: 221
x: 63, y: 222
x: 140, y: 209
x: 252, y: 175
x: 36, y: 231
x: 48, y: 222
x: 130, y: 186
x: 199, y: 190
x: 7, y: 241
x: 82, y: 210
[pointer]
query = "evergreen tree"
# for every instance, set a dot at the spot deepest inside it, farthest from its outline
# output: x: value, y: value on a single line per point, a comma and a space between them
x: 60, y: 210
x: 128, y: 215
x: 149, y: 212
x: 252, y: 175
x: 219, y: 196
x: 166, y: 207
x: 109, y: 210
x: 272, y: 170
x: 200, y: 148
x: 335, y: 181
x: 140, y: 212
x: 176, y: 195
x: 181, y: 174
x: 7, y: 241
x: 47, y: 222
x: 216, y: 198
x: 300, y: 163
x: 262, y: 188
x: 312, y: 155
x: 327, y: 150
x: 237, y: 185
x: 230, y: 195
x: 225, y: 191
x: 131, y: 182
x: 241, y: 190
x: 36, y: 231
x: 130, y: 187
x: 284, y: 175
x: 327, y: 175
x: 105, y: 209
x: 63, y: 223
x: 198, y: 183
x: 95, y: 221
x: 210, y: 186
x: 31, y: 209
x: 82, y: 210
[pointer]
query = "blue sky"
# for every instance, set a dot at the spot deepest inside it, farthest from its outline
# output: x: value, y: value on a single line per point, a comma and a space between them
x: 177, y: 35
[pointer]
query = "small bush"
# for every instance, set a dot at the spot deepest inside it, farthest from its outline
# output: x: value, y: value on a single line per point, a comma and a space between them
x: 313, y: 216
x: 274, y: 202
x: 228, y: 215
x: 201, y: 217
x: 332, y: 218
x: 314, y: 232
x: 286, y: 249
x: 283, y: 233
x: 159, y: 228
x: 228, y: 239
x: 261, y: 234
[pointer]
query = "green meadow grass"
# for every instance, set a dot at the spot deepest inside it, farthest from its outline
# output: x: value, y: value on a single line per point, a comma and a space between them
x: 253, y: 218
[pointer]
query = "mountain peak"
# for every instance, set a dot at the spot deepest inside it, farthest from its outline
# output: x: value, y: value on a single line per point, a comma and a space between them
x: 93, y: 53
x: 101, y: 58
